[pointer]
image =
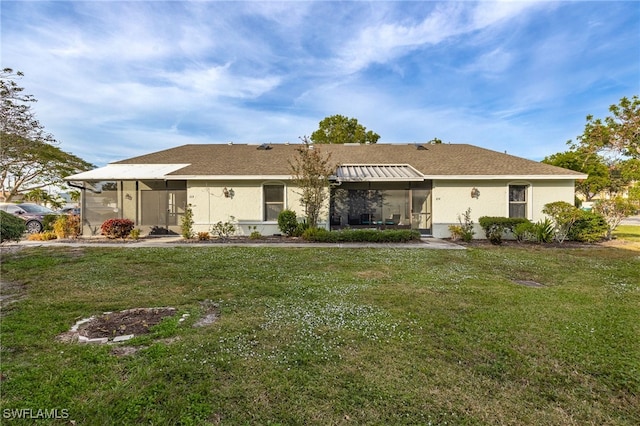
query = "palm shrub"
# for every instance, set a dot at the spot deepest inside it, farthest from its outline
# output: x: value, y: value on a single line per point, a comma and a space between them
x: 11, y: 228
x: 544, y: 231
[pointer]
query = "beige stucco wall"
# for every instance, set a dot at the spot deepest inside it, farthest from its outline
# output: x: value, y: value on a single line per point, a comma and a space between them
x: 453, y: 198
x: 246, y: 207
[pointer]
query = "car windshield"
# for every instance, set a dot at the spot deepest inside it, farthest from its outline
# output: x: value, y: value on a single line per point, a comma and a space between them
x: 34, y: 208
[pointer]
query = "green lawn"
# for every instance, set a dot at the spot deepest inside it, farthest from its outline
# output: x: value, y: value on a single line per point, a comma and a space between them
x: 330, y: 336
x: 628, y: 232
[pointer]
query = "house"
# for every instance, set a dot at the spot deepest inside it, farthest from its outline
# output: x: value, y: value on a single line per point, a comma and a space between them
x: 424, y: 187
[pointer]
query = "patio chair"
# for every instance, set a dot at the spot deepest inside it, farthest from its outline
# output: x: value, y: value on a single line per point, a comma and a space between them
x: 395, y: 219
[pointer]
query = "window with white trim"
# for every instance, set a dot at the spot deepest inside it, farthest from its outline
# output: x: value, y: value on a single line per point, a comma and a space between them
x: 273, y: 196
x: 518, y: 200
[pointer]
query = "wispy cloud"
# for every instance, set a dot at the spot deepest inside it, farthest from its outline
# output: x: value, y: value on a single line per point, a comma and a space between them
x: 384, y: 41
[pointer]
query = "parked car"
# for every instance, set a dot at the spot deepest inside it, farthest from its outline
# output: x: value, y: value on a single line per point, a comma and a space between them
x: 33, y: 214
x: 70, y: 210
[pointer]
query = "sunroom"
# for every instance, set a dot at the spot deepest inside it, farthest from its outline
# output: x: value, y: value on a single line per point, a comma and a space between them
x: 382, y: 196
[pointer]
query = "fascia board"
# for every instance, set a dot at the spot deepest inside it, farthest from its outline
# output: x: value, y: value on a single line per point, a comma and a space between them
x: 506, y: 177
x: 228, y: 177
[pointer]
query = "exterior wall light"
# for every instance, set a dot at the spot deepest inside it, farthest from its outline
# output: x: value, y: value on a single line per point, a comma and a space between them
x: 228, y: 193
x: 475, y: 193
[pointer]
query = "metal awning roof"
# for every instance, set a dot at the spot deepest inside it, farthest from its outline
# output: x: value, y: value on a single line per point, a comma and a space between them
x: 127, y: 172
x: 377, y: 172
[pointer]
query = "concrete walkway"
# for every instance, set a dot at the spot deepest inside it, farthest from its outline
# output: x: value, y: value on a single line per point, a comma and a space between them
x: 158, y: 242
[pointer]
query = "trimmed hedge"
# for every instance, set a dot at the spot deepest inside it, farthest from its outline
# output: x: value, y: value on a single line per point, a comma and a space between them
x: 486, y: 222
x: 11, y: 228
x: 321, y: 235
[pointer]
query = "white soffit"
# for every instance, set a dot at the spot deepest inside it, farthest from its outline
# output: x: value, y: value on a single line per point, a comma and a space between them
x: 377, y: 172
x: 128, y: 172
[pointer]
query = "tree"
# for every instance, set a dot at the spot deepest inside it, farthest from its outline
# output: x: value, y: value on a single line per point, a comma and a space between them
x: 613, y: 211
x: 564, y: 215
x: 580, y: 161
x: 311, y: 171
x: 618, y: 133
x: 339, y: 129
x: 28, y: 157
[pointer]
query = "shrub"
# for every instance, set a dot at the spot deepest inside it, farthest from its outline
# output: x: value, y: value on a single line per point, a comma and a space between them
x: 117, y: 228
x: 66, y: 226
x: 204, y: 236
x: 48, y: 221
x: 466, y: 224
x: 288, y: 222
x: 496, y: 227
x: 42, y: 236
x: 300, y: 228
x: 361, y: 235
x: 186, y: 223
x: 456, y: 232
x: 524, y: 231
x: 11, y: 228
x: 590, y: 227
x: 319, y: 235
x: 544, y: 231
x: 135, y: 234
x: 224, y: 229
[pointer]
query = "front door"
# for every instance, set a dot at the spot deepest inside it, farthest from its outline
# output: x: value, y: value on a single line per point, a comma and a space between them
x: 162, y: 208
x: 421, y: 210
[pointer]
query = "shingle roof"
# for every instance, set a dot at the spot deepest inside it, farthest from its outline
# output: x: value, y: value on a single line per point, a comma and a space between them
x: 442, y: 160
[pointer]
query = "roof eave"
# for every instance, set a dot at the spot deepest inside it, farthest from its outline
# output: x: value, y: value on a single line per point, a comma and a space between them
x: 507, y: 177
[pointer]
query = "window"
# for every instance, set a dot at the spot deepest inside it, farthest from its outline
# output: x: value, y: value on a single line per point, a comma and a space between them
x: 518, y: 200
x: 273, y: 201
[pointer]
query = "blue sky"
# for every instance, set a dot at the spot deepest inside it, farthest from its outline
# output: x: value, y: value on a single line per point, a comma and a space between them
x: 116, y: 79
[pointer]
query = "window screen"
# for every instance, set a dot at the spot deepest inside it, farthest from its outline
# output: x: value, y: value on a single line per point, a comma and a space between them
x: 518, y: 200
x: 273, y: 202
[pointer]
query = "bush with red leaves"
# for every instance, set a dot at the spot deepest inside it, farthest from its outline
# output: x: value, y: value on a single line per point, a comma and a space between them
x: 117, y: 228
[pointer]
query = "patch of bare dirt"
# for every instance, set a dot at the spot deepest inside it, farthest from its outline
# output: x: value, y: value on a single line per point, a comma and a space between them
x: 132, y: 321
x: 210, y: 315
